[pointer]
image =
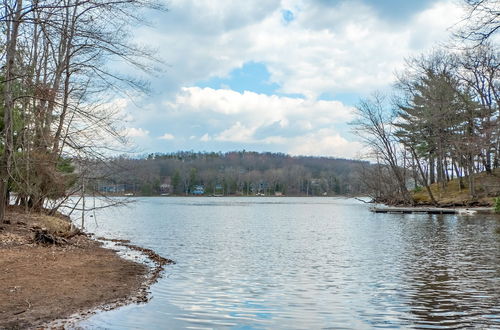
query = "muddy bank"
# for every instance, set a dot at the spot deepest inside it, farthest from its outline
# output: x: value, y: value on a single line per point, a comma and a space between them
x: 41, y: 283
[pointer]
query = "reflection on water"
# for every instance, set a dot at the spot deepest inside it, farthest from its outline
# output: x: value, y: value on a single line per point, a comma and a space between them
x: 307, y: 263
x: 454, y: 271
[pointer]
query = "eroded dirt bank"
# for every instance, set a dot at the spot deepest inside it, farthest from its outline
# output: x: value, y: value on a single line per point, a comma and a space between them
x: 41, y: 283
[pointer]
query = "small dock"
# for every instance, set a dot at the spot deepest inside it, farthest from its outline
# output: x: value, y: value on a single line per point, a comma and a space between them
x: 427, y: 210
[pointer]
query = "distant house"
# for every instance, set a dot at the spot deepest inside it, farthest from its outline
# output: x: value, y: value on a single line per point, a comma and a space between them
x: 198, y: 190
x: 166, y: 186
x: 218, y: 190
x: 262, y: 188
x: 112, y: 188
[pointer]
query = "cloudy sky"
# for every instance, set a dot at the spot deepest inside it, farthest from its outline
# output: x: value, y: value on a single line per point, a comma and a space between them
x: 275, y: 75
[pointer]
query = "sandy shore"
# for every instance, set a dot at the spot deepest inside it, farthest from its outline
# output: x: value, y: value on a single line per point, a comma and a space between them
x: 42, y: 283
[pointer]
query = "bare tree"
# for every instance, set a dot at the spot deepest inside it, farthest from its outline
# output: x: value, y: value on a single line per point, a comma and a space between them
x: 482, y: 21
x: 55, y: 83
x: 374, y: 126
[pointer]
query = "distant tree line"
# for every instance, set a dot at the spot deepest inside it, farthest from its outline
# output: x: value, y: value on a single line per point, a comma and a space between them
x: 231, y: 173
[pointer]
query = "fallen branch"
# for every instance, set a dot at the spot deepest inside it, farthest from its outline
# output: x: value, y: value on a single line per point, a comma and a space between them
x: 359, y: 199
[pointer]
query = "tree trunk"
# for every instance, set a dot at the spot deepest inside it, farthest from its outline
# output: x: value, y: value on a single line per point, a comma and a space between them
x: 459, y: 176
x: 472, y: 184
x: 10, y: 76
x: 424, y: 177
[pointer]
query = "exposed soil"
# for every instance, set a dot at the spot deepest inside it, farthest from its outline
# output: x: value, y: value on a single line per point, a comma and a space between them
x: 40, y: 283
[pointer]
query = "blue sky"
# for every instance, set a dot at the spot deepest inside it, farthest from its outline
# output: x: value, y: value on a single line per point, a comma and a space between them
x: 274, y: 75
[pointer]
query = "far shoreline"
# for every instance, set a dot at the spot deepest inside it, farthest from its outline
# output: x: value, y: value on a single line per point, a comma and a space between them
x: 481, y: 204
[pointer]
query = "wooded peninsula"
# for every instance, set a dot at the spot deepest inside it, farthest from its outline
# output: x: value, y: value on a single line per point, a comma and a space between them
x: 438, y: 132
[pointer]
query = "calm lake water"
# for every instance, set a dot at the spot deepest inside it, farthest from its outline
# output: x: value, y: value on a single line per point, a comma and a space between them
x: 307, y: 263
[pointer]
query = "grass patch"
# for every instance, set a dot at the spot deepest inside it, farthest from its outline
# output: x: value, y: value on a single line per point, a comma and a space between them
x: 53, y: 224
x: 487, y: 185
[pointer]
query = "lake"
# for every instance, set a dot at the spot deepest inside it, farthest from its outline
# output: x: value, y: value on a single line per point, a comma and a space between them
x: 306, y: 263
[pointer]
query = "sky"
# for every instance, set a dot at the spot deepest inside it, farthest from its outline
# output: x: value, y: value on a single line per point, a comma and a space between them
x: 274, y: 75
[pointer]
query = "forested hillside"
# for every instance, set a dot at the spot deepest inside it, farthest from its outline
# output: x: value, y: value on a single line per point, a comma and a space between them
x: 231, y: 173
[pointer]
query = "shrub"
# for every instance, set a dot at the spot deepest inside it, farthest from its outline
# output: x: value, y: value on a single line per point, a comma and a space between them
x: 497, y: 205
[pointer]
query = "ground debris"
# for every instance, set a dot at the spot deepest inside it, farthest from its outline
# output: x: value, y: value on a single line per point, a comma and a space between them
x: 42, y: 236
x: 13, y: 239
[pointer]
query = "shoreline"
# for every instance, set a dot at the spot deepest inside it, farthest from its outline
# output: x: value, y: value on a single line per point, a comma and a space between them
x: 483, y: 204
x: 58, y: 285
x: 432, y: 210
x: 140, y: 296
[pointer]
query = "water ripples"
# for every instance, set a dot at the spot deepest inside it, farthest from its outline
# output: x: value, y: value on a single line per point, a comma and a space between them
x: 308, y: 263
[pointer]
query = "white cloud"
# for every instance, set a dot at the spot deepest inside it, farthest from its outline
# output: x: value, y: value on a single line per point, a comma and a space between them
x: 277, y: 140
x: 293, y: 125
x: 135, y: 132
x: 343, y: 48
x: 205, y: 138
x: 326, y: 49
x: 325, y: 143
x: 166, y: 136
x: 236, y: 133
x: 253, y: 110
